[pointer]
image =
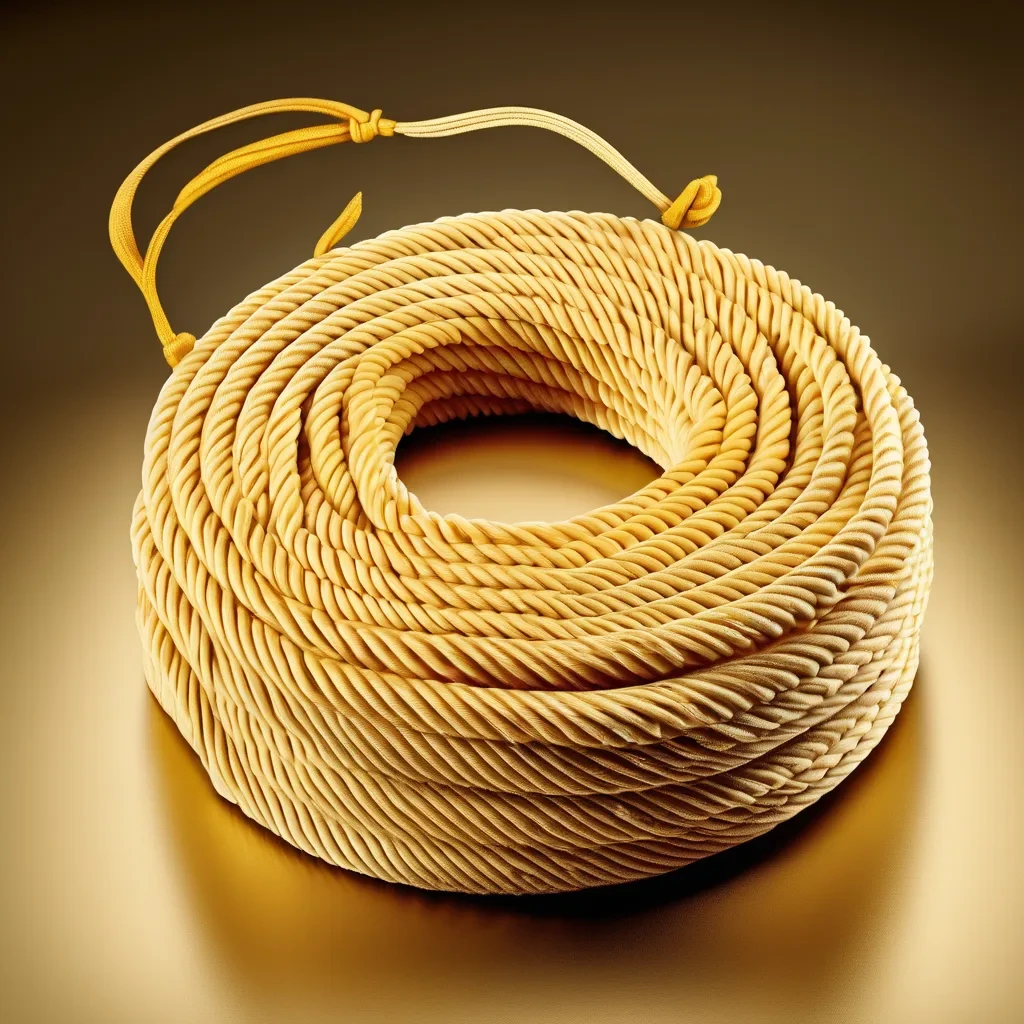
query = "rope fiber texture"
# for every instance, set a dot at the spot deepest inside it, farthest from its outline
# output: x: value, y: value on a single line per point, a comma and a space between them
x: 534, y: 707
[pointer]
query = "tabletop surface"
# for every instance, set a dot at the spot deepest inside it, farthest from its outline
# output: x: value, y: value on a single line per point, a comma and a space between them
x: 878, y: 166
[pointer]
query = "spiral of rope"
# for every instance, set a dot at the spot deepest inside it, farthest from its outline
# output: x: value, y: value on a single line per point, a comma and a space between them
x: 492, y: 707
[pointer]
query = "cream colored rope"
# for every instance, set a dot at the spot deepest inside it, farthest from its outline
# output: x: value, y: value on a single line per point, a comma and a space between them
x: 533, y: 707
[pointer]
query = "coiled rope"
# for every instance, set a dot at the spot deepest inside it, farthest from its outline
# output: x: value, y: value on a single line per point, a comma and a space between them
x: 492, y: 707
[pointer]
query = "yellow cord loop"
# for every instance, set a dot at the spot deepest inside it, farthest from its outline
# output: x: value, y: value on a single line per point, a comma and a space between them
x: 693, y: 208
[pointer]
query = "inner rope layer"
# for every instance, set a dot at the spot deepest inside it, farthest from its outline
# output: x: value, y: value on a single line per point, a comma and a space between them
x: 489, y: 707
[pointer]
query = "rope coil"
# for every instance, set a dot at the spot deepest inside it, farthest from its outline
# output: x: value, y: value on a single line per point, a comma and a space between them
x: 533, y: 707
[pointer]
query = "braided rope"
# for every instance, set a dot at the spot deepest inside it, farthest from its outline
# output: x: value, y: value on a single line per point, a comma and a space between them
x: 489, y: 707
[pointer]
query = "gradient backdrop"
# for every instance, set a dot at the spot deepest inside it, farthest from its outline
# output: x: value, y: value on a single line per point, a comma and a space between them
x: 874, y: 154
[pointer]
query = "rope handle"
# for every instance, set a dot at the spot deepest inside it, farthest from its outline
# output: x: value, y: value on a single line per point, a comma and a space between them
x: 694, y: 206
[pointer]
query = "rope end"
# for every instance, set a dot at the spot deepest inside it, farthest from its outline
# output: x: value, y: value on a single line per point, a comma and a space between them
x: 695, y: 205
x: 178, y: 347
x: 341, y: 227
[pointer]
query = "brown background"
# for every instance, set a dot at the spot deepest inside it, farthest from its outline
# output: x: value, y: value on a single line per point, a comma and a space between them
x: 874, y: 154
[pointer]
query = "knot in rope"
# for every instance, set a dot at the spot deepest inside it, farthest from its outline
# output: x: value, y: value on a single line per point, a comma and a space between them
x: 368, y: 129
x: 178, y: 347
x: 695, y: 205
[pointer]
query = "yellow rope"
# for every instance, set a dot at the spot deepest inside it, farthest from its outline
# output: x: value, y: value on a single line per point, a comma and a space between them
x: 496, y: 707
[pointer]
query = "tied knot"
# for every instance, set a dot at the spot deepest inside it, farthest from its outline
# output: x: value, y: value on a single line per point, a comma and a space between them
x: 696, y: 204
x: 374, y: 125
x: 178, y: 347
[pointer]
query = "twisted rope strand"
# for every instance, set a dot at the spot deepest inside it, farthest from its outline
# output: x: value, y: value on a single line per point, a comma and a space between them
x: 524, y: 707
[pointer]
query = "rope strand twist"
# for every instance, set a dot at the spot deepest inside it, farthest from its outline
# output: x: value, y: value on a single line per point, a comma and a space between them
x: 462, y: 704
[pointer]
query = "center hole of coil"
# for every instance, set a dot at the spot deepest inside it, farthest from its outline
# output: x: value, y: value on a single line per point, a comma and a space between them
x: 520, y: 468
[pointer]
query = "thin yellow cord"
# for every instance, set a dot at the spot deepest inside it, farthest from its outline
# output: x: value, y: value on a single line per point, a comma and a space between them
x: 693, y: 208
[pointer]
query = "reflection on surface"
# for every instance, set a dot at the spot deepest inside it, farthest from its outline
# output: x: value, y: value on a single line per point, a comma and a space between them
x: 780, y: 923
x: 519, y: 468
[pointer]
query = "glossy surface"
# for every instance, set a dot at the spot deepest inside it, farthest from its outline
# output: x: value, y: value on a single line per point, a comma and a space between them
x: 131, y: 893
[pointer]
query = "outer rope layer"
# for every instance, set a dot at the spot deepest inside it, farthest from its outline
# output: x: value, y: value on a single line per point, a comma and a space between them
x: 492, y: 707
